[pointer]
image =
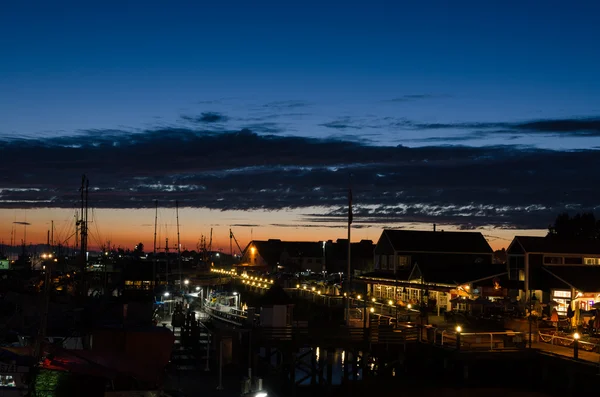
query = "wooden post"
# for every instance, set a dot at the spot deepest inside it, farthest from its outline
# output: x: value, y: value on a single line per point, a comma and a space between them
x: 345, y: 365
x: 330, y: 353
x: 313, y: 368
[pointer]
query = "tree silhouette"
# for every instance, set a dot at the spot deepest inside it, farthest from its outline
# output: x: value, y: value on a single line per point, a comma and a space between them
x: 139, y: 249
x: 582, y: 226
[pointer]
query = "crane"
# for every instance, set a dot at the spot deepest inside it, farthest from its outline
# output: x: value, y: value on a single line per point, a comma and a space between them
x: 231, y: 236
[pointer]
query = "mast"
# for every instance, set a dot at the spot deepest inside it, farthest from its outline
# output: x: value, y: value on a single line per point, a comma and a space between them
x: 231, y: 242
x: 348, y: 270
x: 85, y: 184
x: 209, y: 248
x: 167, y: 260
x: 178, y: 245
x: 154, y: 251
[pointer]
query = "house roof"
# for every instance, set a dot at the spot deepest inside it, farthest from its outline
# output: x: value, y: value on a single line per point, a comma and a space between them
x: 443, y: 274
x: 583, y: 278
x: 556, y: 245
x: 271, y: 250
x: 429, y: 241
x: 275, y: 296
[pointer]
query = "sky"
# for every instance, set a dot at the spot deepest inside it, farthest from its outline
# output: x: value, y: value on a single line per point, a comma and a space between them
x: 258, y: 115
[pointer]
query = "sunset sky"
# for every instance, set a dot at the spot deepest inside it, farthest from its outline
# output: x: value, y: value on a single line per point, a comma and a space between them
x: 257, y: 115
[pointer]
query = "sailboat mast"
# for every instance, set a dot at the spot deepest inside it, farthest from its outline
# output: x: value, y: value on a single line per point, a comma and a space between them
x: 178, y: 245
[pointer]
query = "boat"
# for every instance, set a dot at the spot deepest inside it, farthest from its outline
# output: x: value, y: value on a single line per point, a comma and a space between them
x: 225, y: 307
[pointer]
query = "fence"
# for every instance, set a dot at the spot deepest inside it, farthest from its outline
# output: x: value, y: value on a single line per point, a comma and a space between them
x: 507, y: 340
x: 341, y: 336
x: 564, y: 341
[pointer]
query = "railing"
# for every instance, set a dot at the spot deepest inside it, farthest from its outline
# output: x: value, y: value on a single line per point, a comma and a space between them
x: 336, y: 336
x: 507, y: 340
x: 568, y: 342
x: 231, y: 318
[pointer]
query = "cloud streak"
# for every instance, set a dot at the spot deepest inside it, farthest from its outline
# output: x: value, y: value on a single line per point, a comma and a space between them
x: 504, y: 186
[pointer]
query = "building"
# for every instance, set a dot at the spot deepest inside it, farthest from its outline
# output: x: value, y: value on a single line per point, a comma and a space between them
x: 291, y: 256
x: 432, y: 268
x: 553, y: 269
x: 361, y: 256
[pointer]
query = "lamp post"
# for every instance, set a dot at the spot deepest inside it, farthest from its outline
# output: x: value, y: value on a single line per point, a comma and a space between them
x: 237, y: 300
x: 532, y: 298
x: 458, y: 331
x: 166, y: 295
x: 576, y: 337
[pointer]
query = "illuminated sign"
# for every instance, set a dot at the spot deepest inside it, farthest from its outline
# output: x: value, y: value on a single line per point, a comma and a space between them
x: 4, y: 264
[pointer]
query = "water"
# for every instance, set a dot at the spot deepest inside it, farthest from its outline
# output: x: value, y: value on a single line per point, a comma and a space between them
x: 339, y: 358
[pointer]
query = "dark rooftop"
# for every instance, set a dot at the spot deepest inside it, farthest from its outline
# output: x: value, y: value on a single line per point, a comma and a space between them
x: 556, y: 245
x: 429, y: 241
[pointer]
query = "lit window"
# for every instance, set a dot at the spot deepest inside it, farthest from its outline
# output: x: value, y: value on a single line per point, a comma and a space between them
x: 7, y: 381
x: 590, y: 261
x: 561, y: 294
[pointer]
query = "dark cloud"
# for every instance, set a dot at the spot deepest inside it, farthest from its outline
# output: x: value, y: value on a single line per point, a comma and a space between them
x: 413, y: 97
x: 289, y: 104
x: 583, y: 127
x: 206, y: 117
x: 341, y: 124
x: 504, y: 186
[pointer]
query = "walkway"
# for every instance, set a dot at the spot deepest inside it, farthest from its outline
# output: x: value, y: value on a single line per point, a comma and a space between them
x: 567, y: 352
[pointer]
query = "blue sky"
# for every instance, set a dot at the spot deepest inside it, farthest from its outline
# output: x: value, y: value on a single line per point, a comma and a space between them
x: 479, y: 90
x: 71, y: 66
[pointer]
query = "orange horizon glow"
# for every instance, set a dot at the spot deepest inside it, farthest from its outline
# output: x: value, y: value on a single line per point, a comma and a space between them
x: 125, y: 228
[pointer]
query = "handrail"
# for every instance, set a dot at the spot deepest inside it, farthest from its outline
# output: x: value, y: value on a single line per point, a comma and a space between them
x: 571, y: 340
x: 445, y: 334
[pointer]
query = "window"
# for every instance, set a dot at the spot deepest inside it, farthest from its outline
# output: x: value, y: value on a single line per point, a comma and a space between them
x: 403, y: 261
x: 521, y: 275
x: 553, y: 260
x: 562, y: 294
x: 591, y: 261
x: 573, y: 260
x: 7, y: 381
x: 384, y: 263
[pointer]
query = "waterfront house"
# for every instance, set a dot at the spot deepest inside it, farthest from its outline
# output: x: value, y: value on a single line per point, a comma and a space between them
x: 432, y: 268
x: 276, y: 255
x: 553, y: 269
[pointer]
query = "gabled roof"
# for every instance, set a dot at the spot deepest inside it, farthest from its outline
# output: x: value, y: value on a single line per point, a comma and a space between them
x: 271, y: 250
x: 429, y: 241
x: 583, y: 278
x: 555, y: 245
x: 443, y: 274
x: 275, y: 295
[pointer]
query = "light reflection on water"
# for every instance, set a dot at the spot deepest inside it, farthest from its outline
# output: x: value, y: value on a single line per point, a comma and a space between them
x: 339, y: 358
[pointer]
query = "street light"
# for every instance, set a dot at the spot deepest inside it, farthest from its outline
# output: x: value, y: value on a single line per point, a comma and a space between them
x: 458, y: 331
x: 576, y: 337
x: 409, y: 306
x: 358, y: 297
x: 198, y: 288
x: 186, y: 281
x: 373, y: 300
x: 237, y: 299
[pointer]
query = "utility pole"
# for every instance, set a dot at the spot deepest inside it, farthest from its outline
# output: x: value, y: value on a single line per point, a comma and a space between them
x: 349, y: 270
x: 83, y: 225
x: 154, y: 251
x: 178, y: 245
